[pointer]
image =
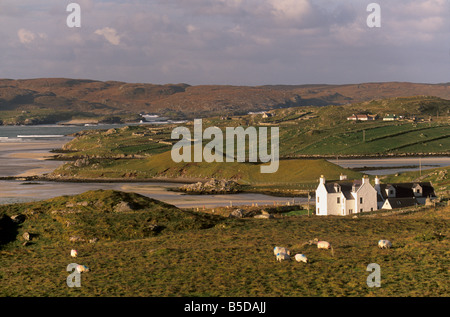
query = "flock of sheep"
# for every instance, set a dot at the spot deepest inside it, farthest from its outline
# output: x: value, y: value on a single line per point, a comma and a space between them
x: 283, y: 253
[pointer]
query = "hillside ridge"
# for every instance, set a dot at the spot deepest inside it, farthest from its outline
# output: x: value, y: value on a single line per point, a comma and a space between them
x: 184, y: 100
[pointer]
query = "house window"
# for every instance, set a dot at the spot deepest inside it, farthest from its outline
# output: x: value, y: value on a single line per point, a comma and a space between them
x: 360, y: 210
x: 317, y: 199
x: 350, y: 211
x: 360, y: 200
x: 318, y: 210
x: 338, y: 200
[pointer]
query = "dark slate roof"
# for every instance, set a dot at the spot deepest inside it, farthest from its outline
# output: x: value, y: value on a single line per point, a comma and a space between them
x: 402, y: 202
x: 405, y: 190
x: 345, y: 187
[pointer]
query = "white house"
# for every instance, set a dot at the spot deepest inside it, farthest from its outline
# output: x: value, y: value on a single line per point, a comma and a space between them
x: 345, y: 197
x: 362, y: 117
x: 390, y: 117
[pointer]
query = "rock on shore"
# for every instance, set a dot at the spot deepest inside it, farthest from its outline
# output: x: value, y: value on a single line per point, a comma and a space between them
x: 213, y: 186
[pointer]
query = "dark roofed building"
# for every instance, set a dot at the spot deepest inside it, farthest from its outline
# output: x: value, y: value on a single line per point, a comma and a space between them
x: 392, y: 203
x: 417, y: 192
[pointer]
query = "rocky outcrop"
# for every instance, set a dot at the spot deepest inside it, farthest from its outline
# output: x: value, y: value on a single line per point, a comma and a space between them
x: 213, y: 186
x: 124, y: 206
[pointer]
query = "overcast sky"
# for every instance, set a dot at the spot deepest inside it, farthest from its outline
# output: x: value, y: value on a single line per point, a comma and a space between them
x: 236, y: 42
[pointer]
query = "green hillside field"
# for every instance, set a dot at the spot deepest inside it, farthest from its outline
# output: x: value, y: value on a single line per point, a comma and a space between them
x: 299, y: 174
x: 153, y: 249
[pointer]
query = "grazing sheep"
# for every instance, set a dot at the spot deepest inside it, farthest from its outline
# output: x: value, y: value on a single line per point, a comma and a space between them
x: 73, y: 253
x: 322, y: 245
x: 82, y: 268
x: 384, y: 244
x: 277, y: 250
x: 301, y: 258
x: 283, y: 256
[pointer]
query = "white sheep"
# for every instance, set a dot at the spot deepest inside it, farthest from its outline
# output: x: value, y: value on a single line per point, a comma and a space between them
x: 73, y: 253
x: 323, y: 245
x: 82, y: 268
x: 277, y: 250
x: 384, y: 244
x: 301, y: 258
x: 283, y: 256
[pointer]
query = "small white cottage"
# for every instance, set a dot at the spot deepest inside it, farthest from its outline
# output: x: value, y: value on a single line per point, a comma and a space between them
x: 345, y: 197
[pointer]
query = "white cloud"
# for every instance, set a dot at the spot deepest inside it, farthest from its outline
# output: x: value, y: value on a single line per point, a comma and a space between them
x: 27, y: 36
x: 109, y: 34
x: 290, y: 9
x: 191, y: 28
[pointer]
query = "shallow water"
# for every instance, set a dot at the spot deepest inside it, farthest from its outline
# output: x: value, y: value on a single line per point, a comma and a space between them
x: 19, y: 191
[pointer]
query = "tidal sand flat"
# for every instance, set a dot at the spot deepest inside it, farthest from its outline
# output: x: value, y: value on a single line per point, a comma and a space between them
x: 28, y: 158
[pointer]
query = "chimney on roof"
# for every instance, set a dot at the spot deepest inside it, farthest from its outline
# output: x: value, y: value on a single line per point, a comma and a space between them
x: 342, y: 177
x: 322, y: 179
x: 365, y: 179
x: 377, y: 180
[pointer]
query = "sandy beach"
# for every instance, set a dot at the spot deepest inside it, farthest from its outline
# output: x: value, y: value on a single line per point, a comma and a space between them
x: 21, y: 159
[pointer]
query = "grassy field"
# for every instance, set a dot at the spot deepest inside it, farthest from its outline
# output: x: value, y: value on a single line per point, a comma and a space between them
x: 201, y: 254
x: 303, y: 131
x: 298, y: 175
x: 296, y: 140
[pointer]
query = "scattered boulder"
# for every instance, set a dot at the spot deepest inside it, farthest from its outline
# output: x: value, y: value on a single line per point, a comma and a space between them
x: 213, y: 186
x: 153, y: 228
x: 82, y: 162
x: 124, y: 206
x: 76, y: 239
x: 110, y: 131
x: 237, y: 213
x: 19, y: 218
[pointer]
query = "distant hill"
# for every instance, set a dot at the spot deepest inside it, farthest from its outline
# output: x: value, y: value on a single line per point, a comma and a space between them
x: 183, y: 100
